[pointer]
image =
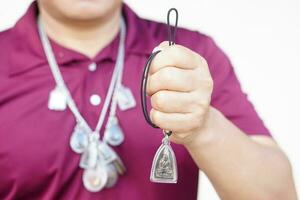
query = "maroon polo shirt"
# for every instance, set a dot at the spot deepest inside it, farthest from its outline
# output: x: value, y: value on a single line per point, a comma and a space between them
x: 36, y: 161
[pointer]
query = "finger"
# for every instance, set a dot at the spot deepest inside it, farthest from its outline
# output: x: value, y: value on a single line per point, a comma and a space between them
x: 177, y: 122
x: 175, y: 102
x: 172, y: 78
x: 161, y: 46
x: 177, y: 56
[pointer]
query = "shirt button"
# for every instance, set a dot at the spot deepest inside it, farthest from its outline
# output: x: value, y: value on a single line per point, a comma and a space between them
x: 95, y: 100
x: 92, y: 67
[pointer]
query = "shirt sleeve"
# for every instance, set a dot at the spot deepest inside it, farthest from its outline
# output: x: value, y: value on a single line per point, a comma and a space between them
x: 228, y: 96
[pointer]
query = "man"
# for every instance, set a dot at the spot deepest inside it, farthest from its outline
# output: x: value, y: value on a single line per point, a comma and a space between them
x: 194, y: 92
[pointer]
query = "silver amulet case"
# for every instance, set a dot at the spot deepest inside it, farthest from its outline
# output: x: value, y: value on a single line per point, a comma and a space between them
x: 164, y: 165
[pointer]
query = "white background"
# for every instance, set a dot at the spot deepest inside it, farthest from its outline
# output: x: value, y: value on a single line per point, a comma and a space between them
x: 262, y: 40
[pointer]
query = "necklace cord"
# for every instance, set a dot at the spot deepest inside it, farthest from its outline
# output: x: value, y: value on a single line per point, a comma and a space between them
x: 116, y: 77
x: 172, y: 29
x: 171, y: 38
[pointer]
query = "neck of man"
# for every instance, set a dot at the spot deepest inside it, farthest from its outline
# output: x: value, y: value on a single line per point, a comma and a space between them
x: 86, y: 37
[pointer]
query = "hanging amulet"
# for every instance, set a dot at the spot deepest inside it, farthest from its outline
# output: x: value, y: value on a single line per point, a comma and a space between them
x: 79, y: 139
x: 90, y: 156
x: 95, y: 179
x: 113, y: 134
x: 111, y: 157
x: 164, y: 165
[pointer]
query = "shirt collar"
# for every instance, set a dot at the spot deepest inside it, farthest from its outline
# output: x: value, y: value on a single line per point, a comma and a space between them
x: 28, y: 52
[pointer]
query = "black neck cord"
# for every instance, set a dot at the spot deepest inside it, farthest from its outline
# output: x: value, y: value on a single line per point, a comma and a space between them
x: 172, y: 30
x: 171, y: 35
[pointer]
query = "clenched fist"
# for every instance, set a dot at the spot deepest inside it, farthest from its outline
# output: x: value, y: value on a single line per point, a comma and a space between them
x: 180, y: 86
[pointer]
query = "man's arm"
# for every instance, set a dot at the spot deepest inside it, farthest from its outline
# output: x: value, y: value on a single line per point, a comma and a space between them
x: 180, y: 86
x: 241, y: 167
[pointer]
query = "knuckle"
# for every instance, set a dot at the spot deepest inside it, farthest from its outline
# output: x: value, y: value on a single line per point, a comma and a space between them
x: 200, y: 100
x: 202, y: 60
x: 197, y: 58
x: 201, y: 112
x: 203, y: 104
x: 208, y: 83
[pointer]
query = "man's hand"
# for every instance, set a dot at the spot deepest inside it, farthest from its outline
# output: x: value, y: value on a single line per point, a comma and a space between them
x: 239, y: 167
x: 180, y: 86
